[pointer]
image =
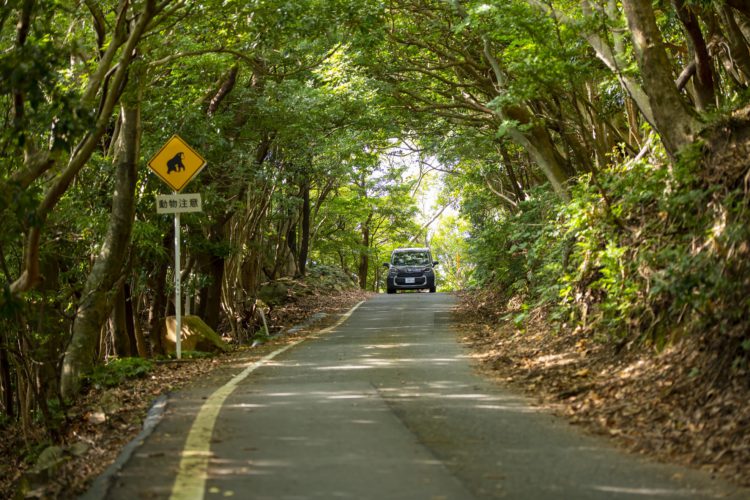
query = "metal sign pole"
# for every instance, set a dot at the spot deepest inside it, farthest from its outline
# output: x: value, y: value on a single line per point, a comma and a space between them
x: 177, y: 286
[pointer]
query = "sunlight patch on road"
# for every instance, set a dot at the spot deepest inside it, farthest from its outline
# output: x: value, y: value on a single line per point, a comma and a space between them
x: 466, y: 396
x: 514, y: 408
x: 193, y: 469
x: 347, y: 396
x: 250, y: 406
x: 645, y: 492
x: 343, y: 367
x: 392, y: 346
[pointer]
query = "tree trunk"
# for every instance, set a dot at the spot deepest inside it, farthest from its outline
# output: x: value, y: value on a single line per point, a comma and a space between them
x: 674, y: 122
x: 5, y: 377
x: 212, y: 313
x: 209, y: 306
x: 364, y: 258
x: 96, y: 300
x: 538, y: 143
x: 293, y: 255
x: 123, y: 345
x: 508, y: 164
x: 743, y: 24
x: 703, y: 82
x: 137, y: 346
x: 739, y: 49
x: 741, y: 5
x: 304, y: 244
x: 158, y: 283
x: 226, y: 85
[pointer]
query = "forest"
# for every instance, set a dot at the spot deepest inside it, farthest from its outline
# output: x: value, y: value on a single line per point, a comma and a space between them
x: 594, y: 154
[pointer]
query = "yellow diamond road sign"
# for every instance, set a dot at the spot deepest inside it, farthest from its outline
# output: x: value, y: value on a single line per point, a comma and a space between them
x: 176, y: 163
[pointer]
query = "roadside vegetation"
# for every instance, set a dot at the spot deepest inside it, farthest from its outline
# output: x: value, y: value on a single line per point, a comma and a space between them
x: 591, y: 178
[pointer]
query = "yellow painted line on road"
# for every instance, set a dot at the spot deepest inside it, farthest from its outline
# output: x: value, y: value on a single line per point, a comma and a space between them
x: 193, y: 472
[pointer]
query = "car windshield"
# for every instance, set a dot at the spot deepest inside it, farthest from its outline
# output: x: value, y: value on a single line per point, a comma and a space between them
x: 416, y: 258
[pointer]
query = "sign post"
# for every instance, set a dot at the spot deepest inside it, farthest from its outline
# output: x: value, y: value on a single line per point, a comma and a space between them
x: 177, y: 164
x: 177, y: 288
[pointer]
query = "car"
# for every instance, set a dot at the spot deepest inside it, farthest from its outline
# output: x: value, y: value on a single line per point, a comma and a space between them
x: 411, y: 269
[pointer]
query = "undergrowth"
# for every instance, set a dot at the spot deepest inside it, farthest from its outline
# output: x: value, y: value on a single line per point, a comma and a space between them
x: 118, y: 370
x: 644, y: 253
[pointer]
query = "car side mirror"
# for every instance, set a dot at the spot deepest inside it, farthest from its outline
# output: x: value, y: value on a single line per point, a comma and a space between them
x: 435, y: 263
x: 386, y: 265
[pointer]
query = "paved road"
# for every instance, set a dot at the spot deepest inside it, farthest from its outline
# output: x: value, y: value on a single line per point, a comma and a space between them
x: 388, y: 406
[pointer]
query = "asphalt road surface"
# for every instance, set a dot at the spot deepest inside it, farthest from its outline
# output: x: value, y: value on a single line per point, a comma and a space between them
x: 385, y: 406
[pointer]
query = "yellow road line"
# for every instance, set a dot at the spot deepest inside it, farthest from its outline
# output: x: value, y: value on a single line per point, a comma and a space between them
x: 193, y: 472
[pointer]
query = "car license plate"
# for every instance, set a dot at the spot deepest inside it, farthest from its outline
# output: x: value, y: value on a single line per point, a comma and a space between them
x: 409, y: 281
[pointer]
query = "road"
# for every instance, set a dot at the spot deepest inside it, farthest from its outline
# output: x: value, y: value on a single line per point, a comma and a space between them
x: 386, y: 405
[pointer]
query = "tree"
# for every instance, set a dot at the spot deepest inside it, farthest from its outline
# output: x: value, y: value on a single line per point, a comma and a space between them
x: 672, y: 118
x: 107, y: 273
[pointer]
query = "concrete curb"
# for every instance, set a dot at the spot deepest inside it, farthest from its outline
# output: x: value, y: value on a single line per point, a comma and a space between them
x: 102, y: 483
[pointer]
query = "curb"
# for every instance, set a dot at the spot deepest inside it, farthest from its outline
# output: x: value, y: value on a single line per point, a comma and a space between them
x: 102, y: 483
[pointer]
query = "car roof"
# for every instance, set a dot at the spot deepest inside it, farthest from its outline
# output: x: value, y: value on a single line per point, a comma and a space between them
x: 420, y: 249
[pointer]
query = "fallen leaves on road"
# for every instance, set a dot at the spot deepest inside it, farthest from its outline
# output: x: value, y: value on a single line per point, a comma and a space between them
x: 662, y: 404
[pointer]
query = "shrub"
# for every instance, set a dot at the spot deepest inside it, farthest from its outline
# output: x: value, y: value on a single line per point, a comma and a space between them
x: 118, y: 370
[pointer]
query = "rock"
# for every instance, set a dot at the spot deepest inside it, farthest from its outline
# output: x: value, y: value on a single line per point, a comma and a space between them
x: 79, y: 449
x: 196, y: 336
x: 96, y: 417
x: 274, y: 293
x: 109, y: 403
x: 49, y: 459
x: 34, y: 482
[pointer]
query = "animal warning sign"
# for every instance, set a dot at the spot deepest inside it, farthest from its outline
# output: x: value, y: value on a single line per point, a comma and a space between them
x: 176, y: 163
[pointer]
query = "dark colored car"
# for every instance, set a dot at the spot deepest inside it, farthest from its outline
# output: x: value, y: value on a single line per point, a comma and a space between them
x: 411, y: 269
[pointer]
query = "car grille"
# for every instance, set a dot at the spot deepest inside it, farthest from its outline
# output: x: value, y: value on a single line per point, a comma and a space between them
x: 407, y: 274
x: 418, y: 280
x: 411, y: 271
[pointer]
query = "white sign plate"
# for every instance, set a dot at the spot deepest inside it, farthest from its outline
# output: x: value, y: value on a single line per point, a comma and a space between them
x: 178, y: 203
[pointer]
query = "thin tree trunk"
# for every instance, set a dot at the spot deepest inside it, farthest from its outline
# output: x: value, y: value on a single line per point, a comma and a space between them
x: 5, y: 377
x: 130, y: 321
x: 158, y: 283
x: 304, y: 244
x: 508, y: 164
x: 741, y: 5
x: 364, y: 259
x: 123, y: 346
x: 738, y: 45
x: 703, y: 82
x: 209, y: 307
x: 212, y: 314
x: 227, y: 83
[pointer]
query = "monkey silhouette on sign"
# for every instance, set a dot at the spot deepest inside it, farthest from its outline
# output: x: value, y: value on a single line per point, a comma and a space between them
x: 175, y: 164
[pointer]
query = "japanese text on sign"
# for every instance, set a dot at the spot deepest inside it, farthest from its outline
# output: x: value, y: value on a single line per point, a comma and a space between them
x: 178, y: 203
